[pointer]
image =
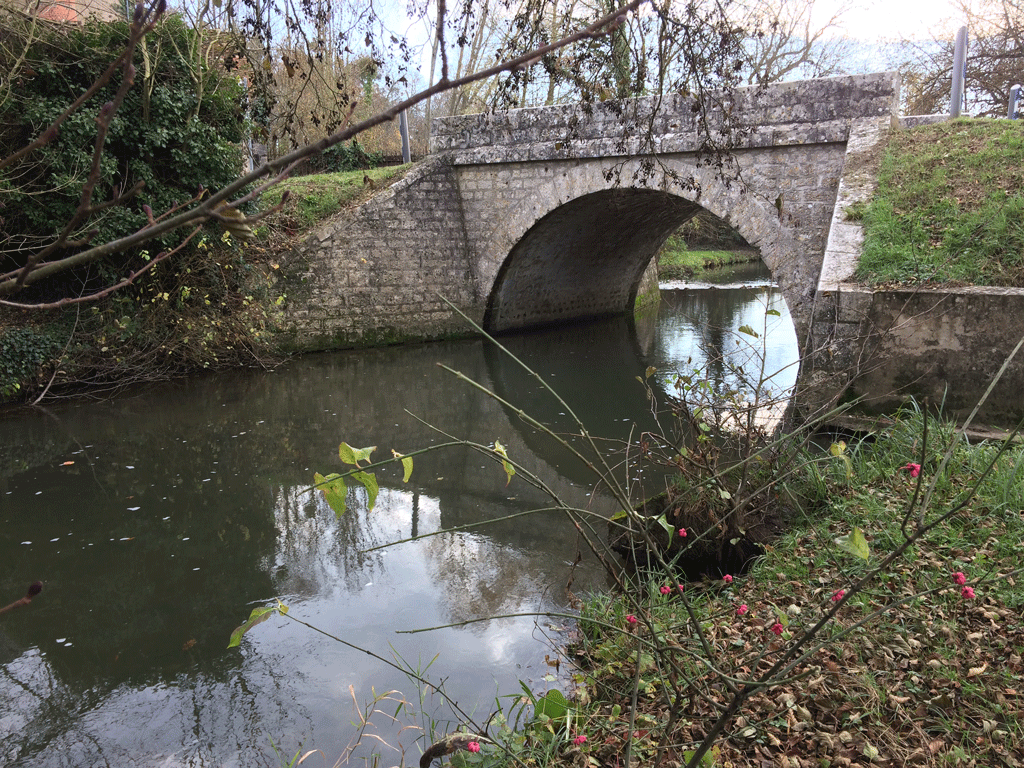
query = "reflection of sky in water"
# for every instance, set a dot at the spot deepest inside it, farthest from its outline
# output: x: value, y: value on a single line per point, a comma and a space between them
x: 190, y: 507
x: 701, y: 332
x: 300, y: 687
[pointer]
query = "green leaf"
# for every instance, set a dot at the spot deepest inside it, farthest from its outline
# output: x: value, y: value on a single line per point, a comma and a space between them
x: 369, y: 481
x: 838, y: 449
x: 651, y: 370
x: 619, y: 515
x: 258, y: 616
x: 353, y: 456
x: 749, y: 331
x: 855, y: 543
x: 707, y: 761
x: 669, y: 528
x: 552, y: 704
x: 406, y: 464
x: 774, y: 312
x: 509, y: 469
x: 334, y: 491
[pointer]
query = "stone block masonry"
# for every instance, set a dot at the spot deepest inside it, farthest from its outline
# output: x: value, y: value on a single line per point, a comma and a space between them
x: 380, y: 273
x: 549, y: 215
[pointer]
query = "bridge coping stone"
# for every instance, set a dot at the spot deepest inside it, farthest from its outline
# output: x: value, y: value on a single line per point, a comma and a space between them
x: 804, y: 112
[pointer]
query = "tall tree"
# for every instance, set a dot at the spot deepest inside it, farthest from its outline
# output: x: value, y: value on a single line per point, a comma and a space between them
x: 790, y: 38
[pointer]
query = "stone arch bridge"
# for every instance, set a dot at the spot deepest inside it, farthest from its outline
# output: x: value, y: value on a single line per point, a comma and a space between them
x: 548, y: 215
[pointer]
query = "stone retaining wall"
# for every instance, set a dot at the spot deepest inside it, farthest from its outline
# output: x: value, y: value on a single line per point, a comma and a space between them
x: 376, y: 274
x: 884, y: 347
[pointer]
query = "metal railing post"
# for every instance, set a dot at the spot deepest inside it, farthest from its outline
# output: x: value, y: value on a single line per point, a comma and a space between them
x: 959, y: 62
x: 403, y: 128
x: 1012, y: 111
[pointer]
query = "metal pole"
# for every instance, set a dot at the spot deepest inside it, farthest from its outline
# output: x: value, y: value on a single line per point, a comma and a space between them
x: 1011, y: 111
x: 403, y: 128
x: 959, y: 62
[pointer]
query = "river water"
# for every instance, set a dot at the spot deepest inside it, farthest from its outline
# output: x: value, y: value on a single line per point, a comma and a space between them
x: 158, y: 519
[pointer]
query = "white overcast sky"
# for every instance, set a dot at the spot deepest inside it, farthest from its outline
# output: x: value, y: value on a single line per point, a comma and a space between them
x: 866, y: 20
x: 893, y: 19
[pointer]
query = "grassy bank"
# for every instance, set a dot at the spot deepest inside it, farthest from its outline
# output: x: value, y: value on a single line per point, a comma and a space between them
x: 317, y: 197
x: 949, y: 207
x: 677, y: 262
x: 919, y: 666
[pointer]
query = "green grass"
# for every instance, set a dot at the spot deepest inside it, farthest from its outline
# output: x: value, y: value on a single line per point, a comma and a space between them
x: 936, y: 679
x: 315, y: 198
x: 677, y: 262
x: 949, y: 207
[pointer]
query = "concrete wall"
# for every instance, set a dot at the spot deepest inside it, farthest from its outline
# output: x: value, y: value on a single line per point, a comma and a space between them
x: 943, y: 346
x: 883, y: 347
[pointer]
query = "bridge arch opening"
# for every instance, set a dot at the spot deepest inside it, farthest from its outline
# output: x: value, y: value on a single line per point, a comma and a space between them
x: 584, y: 259
x: 587, y: 258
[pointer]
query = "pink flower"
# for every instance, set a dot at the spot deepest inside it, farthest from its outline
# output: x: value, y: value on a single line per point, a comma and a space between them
x: 838, y: 595
x: 665, y: 589
x: 967, y: 592
x: 680, y: 587
x: 959, y: 578
x: 727, y: 579
x: 776, y: 628
x: 581, y: 739
x: 914, y: 469
x: 473, y: 746
x: 742, y: 610
x: 631, y: 619
x: 682, y: 532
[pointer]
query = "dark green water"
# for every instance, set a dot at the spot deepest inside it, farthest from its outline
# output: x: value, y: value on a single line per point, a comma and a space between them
x: 159, y: 519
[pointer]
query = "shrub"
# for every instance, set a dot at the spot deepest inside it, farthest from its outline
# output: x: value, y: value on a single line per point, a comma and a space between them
x: 345, y: 157
x: 180, y: 127
x: 23, y: 351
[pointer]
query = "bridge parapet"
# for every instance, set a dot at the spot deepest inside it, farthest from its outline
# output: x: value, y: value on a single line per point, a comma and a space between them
x: 806, y: 112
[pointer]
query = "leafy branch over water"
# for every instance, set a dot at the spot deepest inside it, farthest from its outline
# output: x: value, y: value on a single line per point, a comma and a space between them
x: 732, y: 668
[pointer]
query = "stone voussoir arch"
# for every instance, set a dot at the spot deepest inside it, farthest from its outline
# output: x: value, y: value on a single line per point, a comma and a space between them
x: 551, y: 214
x: 582, y: 239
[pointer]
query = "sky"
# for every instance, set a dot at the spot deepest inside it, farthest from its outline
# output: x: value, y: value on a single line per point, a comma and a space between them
x: 892, y: 19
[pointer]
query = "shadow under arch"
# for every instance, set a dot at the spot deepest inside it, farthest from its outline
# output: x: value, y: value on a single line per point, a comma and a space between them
x: 585, y: 258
